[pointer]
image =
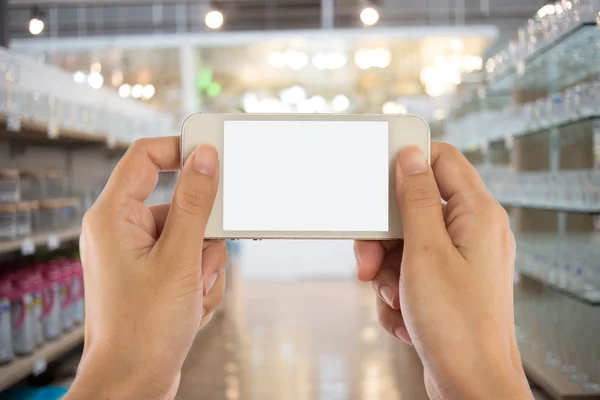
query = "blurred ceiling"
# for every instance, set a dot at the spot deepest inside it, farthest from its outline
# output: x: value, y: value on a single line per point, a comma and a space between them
x: 134, y: 17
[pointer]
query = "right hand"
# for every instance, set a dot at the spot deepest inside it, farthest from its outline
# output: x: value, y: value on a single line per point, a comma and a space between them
x: 447, y: 287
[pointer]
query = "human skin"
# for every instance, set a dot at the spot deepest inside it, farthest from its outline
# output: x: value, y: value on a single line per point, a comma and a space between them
x: 151, y: 280
x: 447, y: 288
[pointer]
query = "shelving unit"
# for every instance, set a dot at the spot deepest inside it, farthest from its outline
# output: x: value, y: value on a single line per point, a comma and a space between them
x: 48, y: 241
x: 21, y: 367
x: 573, y: 55
x: 542, y: 167
x: 50, y: 122
x: 34, y: 132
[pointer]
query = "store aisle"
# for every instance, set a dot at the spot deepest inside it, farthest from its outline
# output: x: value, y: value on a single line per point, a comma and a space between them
x: 303, y: 339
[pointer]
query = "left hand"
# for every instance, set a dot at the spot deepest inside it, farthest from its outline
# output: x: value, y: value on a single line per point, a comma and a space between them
x: 151, y: 281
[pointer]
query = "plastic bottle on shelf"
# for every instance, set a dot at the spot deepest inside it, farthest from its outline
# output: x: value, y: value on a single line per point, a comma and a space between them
x: 77, y: 300
x: 37, y: 282
x: 6, y: 345
x: 22, y: 315
x: 51, y: 318
x: 66, y: 311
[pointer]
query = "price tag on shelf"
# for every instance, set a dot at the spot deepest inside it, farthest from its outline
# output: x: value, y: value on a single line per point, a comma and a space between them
x: 53, y: 242
x: 27, y: 247
x: 13, y: 123
x: 39, y: 367
x: 52, y: 130
x: 111, y: 142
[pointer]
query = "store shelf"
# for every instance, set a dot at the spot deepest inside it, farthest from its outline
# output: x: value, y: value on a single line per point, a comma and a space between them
x: 22, y: 367
x: 558, y: 341
x: 50, y: 241
x: 566, y: 264
x: 554, y: 383
x: 479, y: 142
x: 545, y: 205
x: 566, y: 61
x: 31, y: 131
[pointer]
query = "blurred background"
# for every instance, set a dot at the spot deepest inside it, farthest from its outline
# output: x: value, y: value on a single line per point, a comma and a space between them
x: 515, y: 84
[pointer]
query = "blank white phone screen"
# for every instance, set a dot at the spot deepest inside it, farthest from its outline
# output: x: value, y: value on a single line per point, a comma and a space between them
x: 320, y: 176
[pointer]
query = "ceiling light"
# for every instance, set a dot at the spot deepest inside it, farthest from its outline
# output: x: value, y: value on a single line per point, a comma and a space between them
x: 79, y: 77
x: 277, y: 59
x: 318, y: 103
x: 36, y: 25
x: 546, y: 10
x: 137, y: 91
x: 125, y: 90
x: 391, y: 107
x: 95, y: 80
x: 293, y: 95
x: 329, y: 60
x: 369, y: 16
x: 296, y: 60
x: 214, y: 19
x: 340, y: 103
x: 250, y: 102
x: 373, y: 58
x: 305, y: 107
x: 148, y: 92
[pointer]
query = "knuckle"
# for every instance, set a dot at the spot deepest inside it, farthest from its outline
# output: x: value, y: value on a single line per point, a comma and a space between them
x: 140, y: 144
x: 194, y: 202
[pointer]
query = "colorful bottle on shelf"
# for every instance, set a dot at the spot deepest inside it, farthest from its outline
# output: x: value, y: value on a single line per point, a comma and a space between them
x: 23, y: 315
x: 51, y: 317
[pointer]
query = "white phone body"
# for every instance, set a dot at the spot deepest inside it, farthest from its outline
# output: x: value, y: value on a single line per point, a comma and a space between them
x: 305, y: 176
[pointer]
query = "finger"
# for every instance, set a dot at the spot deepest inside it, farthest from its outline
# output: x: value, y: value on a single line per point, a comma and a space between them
x: 193, y: 201
x: 214, y: 258
x: 419, y: 202
x: 370, y: 256
x: 392, y: 321
x: 454, y: 174
x: 387, y: 286
x: 136, y: 175
x: 212, y: 300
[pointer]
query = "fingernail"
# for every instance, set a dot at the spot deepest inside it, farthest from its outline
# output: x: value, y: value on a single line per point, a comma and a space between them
x: 387, y: 293
x: 399, y: 332
x: 210, y: 281
x: 412, y: 161
x: 206, y: 160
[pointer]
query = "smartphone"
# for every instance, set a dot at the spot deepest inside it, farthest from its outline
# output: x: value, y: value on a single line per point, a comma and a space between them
x: 312, y: 176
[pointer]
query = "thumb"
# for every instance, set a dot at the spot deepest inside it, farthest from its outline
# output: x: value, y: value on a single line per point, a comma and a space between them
x: 192, y: 204
x: 419, y: 201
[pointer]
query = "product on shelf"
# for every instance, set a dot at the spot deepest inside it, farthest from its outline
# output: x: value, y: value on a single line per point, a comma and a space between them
x: 52, y: 321
x: 43, y: 185
x: 8, y: 221
x: 575, y: 190
x: 23, y: 314
x: 26, y: 214
x: 58, y: 214
x: 577, y: 103
x: 7, y: 294
x: 10, y: 188
x: 38, y: 303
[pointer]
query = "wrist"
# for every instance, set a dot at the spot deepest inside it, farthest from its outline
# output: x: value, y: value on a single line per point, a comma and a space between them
x: 482, y: 373
x: 103, y: 376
